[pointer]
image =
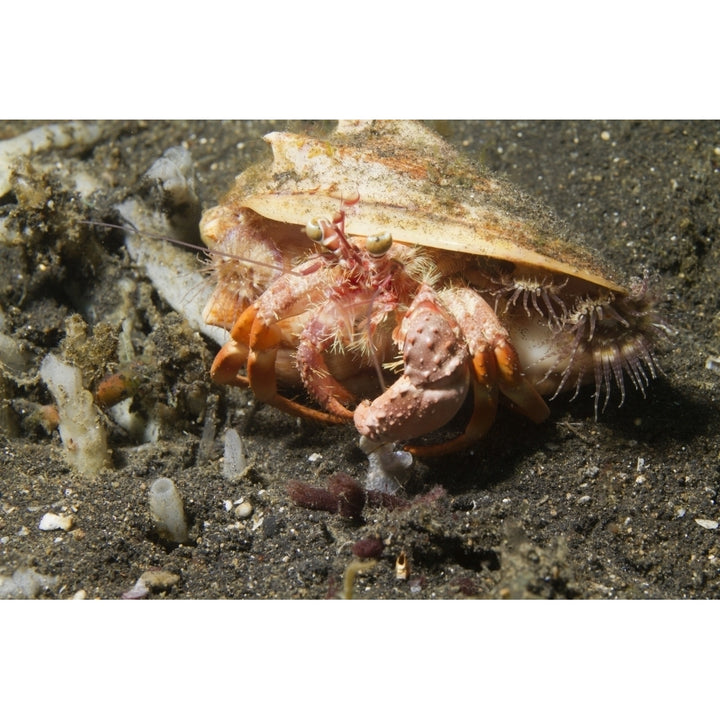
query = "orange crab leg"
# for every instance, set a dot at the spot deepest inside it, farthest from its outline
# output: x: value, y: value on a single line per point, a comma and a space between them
x: 496, y: 367
x: 233, y: 355
x: 264, y: 342
x: 515, y: 386
x: 255, y: 344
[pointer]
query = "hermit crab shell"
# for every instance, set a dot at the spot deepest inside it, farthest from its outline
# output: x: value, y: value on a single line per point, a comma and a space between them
x: 412, y: 183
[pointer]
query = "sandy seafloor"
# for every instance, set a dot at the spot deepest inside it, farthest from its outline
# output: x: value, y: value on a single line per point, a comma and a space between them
x: 573, y: 508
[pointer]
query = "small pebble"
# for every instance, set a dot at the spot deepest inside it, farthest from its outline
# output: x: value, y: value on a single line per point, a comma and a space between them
x: 369, y: 547
x: 243, y: 510
x: 234, y: 458
x: 707, y: 524
x: 402, y: 566
x: 150, y: 580
x: 51, y: 521
x: 159, y: 579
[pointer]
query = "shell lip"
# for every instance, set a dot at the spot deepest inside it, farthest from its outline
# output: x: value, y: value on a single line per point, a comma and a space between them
x: 413, y: 184
x: 447, y: 236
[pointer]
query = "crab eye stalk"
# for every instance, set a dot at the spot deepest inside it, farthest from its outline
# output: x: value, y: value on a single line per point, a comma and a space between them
x: 314, y: 230
x: 378, y: 245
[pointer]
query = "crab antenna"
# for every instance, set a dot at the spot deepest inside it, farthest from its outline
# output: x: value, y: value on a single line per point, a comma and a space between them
x: 165, y: 238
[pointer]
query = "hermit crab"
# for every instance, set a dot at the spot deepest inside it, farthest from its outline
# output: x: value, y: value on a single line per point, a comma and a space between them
x: 377, y: 276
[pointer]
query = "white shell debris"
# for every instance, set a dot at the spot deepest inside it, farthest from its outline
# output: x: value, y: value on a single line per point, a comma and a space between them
x: 80, y: 134
x: 81, y: 426
x: 150, y: 580
x: 234, y: 459
x: 51, y: 521
x: 25, y: 583
x: 173, y: 271
x: 387, y: 466
x: 167, y: 510
x: 243, y: 510
x: 14, y: 358
x: 175, y: 175
x: 707, y: 524
x: 142, y: 429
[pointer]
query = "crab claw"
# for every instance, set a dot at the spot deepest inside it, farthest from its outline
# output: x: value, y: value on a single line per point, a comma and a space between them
x: 439, y: 335
x: 434, y: 383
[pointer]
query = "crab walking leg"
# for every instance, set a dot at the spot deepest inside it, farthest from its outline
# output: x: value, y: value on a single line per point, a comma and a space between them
x: 434, y: 383
x: 264, y: 343
x: 237, y: 353
x: 233, y: 354
x: 353, y: 316
x: 496, y: 368
x: 316, y: 338
x: 495, y: 360
x: 276, y: 308
x: 268, y: 325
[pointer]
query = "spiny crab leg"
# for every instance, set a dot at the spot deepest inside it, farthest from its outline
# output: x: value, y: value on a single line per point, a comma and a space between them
x: 495, y: 360
x: 319, y: 335
x: 261, y: 330
x: 434, y: 383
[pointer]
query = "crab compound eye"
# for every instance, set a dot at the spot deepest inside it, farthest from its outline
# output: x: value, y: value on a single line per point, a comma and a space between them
x: 314, y: 230
x: 378, y: 245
